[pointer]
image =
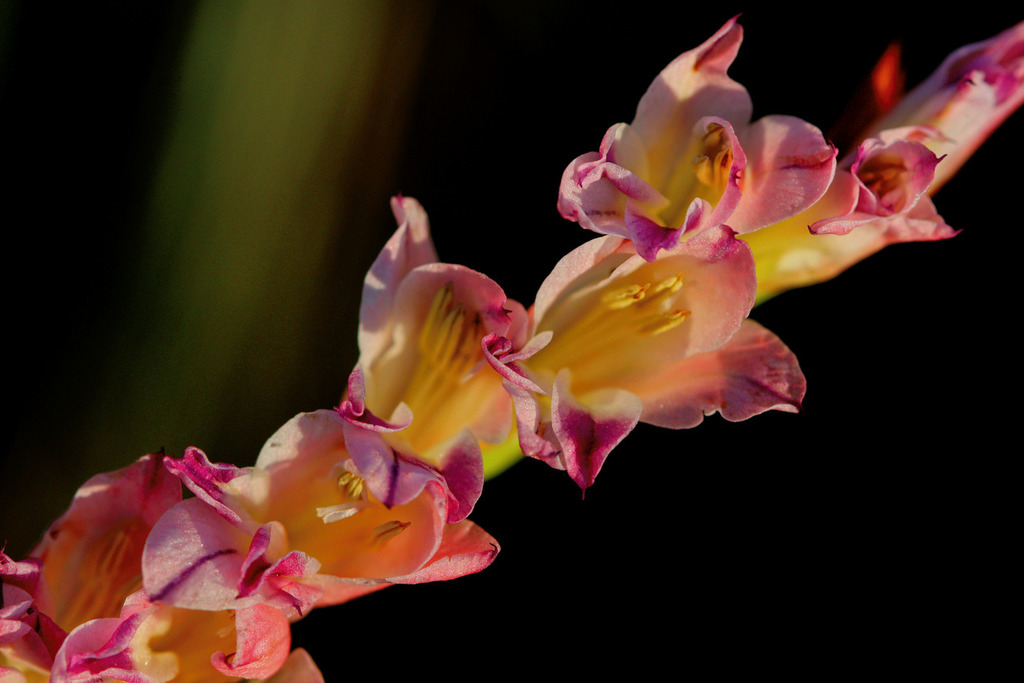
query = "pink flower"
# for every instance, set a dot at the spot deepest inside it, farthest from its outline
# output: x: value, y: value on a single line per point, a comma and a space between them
x: 692, y: 160
x: 303, y: 528
x: 618, y: 340
x: 971, y: 93
x: 422, y: 393
x: 152, y: 643
x: 87, y: 573
x: 882, y: 191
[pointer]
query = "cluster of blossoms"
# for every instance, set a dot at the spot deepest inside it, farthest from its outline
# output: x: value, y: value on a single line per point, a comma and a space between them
x: 703, y: 214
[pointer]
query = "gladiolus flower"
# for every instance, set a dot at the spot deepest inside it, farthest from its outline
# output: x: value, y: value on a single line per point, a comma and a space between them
x: 87, y: 574
x: 972, y: 92
x: 422, y: 393
x: 691, y: 159
x: 618, y: 340
x: 881, y: 192
x: 302, y: 528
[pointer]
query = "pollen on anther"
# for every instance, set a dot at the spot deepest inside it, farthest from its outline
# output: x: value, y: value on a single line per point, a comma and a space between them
x: 668, y: 321
x: 669, y: 285
x: 352, y: 484
x: 623, y: 297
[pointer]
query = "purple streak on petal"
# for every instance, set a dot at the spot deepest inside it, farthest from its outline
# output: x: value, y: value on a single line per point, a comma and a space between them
x: 174, y: 583
x: 393, y: 482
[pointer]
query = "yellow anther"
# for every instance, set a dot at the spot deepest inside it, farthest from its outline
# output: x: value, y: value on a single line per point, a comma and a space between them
x: 702, y: 169
x: 669, y: 285
x: 352, y: 484
x: 666, y: 322
x: 712, y: 167
x: 385, y: 532
x: 622, y: 297
x: 336, y: 513
x: 714, y: 134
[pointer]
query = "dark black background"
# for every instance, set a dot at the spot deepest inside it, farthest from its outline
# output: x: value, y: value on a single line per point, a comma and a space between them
x: 874, y: 523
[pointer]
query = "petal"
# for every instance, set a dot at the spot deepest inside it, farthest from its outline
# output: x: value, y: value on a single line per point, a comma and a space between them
x: 28, y: 636
x: 393, y: 478
x: 26, y: 575
x: 10, y: 675
x: 279, y: 583
x: 462, y: 467
x: 535, y: 436
x: 577, y: 268
x: 354, y: 410
x: 303, y: 440
x: 103, y: 649
x: 789, y: 167
x: 649, y: 236
x: 360, y: 553
x: 588, y: 432
x: 596, y: 186
x: 750, y: 374
x: 409, y: 247
x: 500, y: 355
x: 193, y: 558
x: 298, y: 668
x: 264, y: 639
x: 693, y: 85
x: 211, y: 482
x: 465, y: 549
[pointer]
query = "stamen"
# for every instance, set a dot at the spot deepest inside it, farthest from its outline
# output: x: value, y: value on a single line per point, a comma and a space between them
x: 623, y: 297
x: 447, y: 338
x: 667, y: 287
x: 880, y: 176
x: 385, y: 532
x: 224, y: 631
x: 352, y: 484
x: 712, y: 167
x: 336, y: 513
x: 666, y: 322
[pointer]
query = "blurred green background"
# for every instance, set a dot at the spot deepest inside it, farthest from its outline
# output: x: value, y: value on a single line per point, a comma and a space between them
x: 196, y: 189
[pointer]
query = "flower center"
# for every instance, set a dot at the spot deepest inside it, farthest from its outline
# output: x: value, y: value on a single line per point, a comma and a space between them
x: 352, y: 490
x: 884, y: 176
x: 446, y: 391
x: 713, y: 164
x: 705, y: 176
x: 603, y: 338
